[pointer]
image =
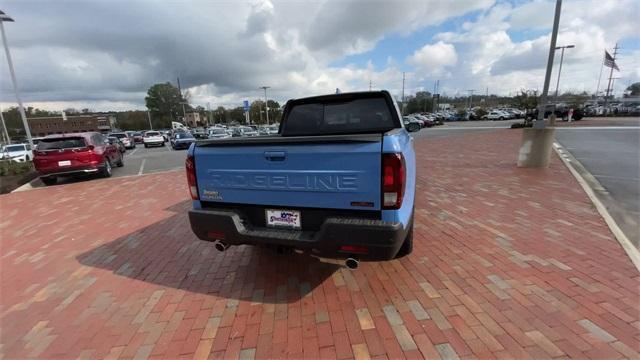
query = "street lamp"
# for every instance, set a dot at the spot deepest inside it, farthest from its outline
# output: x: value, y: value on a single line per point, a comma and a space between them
x: 266, y: 106
x: 560, y: 68
x: 4, y: 17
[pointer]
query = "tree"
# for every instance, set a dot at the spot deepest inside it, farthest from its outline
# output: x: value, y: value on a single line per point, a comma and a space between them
x: 164, y: 101
x: 525, y: 100
x: 634, y: 89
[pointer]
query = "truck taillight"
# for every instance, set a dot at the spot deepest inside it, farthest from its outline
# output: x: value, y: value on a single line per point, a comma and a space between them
x: 393, y: 180
x: 190, y: 165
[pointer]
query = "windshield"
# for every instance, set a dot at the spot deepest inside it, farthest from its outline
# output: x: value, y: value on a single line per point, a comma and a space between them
x: 61, y: 143
x: 13, y: 148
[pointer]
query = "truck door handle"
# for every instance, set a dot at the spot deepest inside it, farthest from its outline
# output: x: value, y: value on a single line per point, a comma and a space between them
x: 275, y: 155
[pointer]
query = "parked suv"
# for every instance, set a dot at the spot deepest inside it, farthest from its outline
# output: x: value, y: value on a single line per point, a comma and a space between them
x: 125, y: 140
x: 75, y: 154
x: 153, y: 138
x: 16, y: 152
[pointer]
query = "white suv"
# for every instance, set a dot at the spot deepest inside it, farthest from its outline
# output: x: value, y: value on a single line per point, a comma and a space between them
x: 153, y: 138
x: 16, y: 152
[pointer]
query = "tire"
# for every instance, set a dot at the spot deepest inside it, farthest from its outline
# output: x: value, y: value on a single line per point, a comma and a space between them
x: 500, y: 118
x: 26, y: 158
x: 407, y: 245
x: 146, y: 146
x: 121, y: 162
x: 49, y: 180
x: 106, y: 171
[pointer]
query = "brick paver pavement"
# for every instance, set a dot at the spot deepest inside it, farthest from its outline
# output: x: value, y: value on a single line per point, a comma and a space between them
x: 507, y: 263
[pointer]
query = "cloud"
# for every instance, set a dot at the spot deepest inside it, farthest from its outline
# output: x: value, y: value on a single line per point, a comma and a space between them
x: 100, y: 52
x: 433, y: 58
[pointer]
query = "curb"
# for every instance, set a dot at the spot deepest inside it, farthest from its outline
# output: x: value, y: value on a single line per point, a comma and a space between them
x: 590, y: 185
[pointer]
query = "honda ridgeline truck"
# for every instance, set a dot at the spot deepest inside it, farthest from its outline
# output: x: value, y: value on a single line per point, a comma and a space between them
x: 338, y: 181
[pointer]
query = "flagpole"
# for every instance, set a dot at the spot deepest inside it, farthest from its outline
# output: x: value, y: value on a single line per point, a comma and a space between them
x: 600, y: 77
x: 606, y: 98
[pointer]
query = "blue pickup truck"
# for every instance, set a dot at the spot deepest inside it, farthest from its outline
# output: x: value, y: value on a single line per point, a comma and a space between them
x: 338, y: 181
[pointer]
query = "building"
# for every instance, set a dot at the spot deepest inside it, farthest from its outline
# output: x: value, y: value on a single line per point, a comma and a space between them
x: 43, y: 126
x: 193, y: 119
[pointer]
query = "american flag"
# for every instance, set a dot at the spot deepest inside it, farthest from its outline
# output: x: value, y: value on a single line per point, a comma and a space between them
x: 609, y: 61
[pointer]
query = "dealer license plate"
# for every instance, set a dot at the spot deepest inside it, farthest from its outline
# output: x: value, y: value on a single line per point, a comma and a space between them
x: 64, y: 163
x: 284, y: 218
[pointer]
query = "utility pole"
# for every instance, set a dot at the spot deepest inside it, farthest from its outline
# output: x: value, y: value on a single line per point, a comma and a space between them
x: 539, y: 122
x: 149, y: 117
x: 560, y: 69
x: 438, y: 93
x: 369, y: 84
x: 537, y: 142
x: 606, y: 98
x: 471, y: 91
x: 179, y: 88
x: 208, y: 113
x: 266, y: 104
x: 403, y: 93
x: 5, y: 132
x: 5, y: 18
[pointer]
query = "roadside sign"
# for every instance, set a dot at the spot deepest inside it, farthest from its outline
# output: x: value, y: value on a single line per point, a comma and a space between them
x: 246, y: 105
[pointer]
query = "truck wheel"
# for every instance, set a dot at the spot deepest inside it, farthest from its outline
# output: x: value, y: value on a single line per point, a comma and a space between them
x: 407, y: 245
x: 49, y: 180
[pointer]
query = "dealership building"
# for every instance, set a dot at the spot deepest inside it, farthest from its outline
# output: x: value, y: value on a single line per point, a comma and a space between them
x: 43, y: 126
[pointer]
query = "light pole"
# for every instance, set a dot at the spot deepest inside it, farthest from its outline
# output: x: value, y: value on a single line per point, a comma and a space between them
x: 266, y: 105
x: 560, y: 68
x: 5, y: 131
x: 6, y: 18
x: 149, y: 117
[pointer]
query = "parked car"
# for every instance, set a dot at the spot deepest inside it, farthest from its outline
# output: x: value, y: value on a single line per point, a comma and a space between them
x: 339, y: 182
x: 16, y: 152
x: 115, y: 141
x: 218, y: 133
x: 243, y: 131
x: 127, y: 142
x: 182, y: 141
x: 496, y: 115
x: 137, y: 137
x: 153, y: 138
x: 411, y: 124
x: 75, y: 154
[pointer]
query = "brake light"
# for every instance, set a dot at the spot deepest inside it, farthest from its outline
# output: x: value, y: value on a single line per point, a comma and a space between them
x: 393, y: 180
x: 190, y: 166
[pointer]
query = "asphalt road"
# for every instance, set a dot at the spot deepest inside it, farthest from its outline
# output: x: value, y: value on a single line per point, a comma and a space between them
x: 611, y: 155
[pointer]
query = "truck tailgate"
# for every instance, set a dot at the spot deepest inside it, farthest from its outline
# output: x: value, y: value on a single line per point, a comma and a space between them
x: 333, y: 172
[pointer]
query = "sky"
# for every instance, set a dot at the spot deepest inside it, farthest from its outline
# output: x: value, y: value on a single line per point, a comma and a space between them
x: 104, y: 55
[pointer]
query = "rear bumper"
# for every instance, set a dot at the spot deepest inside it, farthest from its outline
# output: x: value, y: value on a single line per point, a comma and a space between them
x: 70, y: 172
x: 154, y: 143
x: 382, y: 239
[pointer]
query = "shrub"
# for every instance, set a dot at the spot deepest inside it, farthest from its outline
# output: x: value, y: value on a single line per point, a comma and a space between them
x: 8, y: 168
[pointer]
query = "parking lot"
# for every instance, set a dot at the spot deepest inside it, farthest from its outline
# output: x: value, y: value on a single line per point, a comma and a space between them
x: 137, y: 161
x: 113, y: 269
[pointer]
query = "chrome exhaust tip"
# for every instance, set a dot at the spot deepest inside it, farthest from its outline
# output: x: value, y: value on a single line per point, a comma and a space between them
x: 352, y: 263
x: 220, y: 246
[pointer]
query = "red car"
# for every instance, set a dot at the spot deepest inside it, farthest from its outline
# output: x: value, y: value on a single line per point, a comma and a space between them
x: 75, y: 154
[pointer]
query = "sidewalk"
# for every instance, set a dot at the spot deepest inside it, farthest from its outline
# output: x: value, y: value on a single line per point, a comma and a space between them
x: 507, y: 262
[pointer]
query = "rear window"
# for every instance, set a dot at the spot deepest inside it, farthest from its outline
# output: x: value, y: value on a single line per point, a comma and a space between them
x: 344, y: 117
x: 61, y: 143
x: 184, y: 136
x: 152, y: 133
x: 119, y: 135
